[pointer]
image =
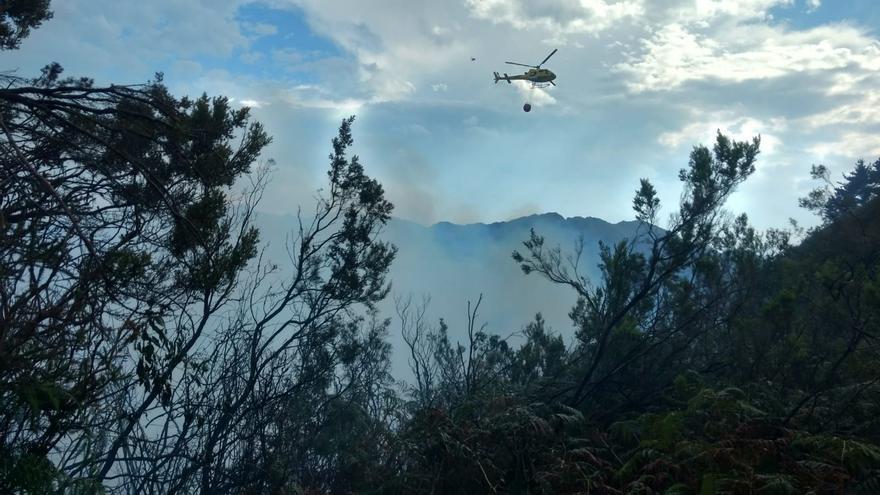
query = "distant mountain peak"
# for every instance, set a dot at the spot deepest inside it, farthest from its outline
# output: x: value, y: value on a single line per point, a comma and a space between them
x: 549, y: 216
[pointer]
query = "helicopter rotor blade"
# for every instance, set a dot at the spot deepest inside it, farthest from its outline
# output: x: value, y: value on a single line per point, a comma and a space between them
x: 524, y: 65
x: 548, y: 57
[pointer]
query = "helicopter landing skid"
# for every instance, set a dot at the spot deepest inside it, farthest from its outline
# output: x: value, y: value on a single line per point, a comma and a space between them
x: 540, y: 85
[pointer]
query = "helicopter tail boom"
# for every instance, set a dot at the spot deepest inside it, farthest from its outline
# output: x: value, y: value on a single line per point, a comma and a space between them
x: 505, y: 77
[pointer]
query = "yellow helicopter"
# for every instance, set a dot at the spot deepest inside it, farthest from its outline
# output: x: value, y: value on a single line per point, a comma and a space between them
x: 539, y: 77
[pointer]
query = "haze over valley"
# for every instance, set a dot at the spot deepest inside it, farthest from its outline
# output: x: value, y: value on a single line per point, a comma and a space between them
x: 453, y: 264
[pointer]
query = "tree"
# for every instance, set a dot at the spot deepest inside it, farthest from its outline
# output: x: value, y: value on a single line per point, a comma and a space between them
x: 141, y: 332
x: 634, y: 289
x: 18, y: 17
x: 540, y: 357
x: 115, y: 216
x: 293, y: 350
x: 832, y: 201
x: 452, y: 374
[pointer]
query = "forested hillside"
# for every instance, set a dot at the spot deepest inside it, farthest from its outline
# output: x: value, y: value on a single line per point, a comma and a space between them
x: 149, y: 345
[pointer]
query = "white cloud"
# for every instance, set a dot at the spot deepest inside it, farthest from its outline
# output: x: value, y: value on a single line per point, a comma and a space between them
x: 813, y: 5
x: 564, y: 17
x: 740, y: 128
x: 849, y: 145
x: 130, y: 39
x: 704, y: 11
x: 252, y: 103
x: 862, y: 110
x: 676, y: 54
x: 340, y: 107
x: 392, y: 90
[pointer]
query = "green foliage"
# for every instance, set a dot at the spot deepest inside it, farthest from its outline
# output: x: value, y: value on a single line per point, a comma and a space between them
x: 540, y: 358
x: 18, y: 17
x: 646, y: 203
x: 116, y: 218
x: 535, y: 448
x: 28, y: 473
x: 833, y: 201
x: 504, y: 447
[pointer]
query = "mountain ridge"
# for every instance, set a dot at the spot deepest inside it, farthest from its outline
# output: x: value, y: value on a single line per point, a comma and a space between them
x: 550, y: 215
x: 456, y: 263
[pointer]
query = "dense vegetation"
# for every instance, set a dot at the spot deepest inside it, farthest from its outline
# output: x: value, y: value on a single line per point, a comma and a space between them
x: 146, y: 346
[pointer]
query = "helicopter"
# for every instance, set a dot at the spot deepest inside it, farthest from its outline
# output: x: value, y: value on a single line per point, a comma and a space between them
x: 540, y: 78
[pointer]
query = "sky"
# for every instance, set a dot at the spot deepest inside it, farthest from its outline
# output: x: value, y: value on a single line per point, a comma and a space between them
x: 640, y: 82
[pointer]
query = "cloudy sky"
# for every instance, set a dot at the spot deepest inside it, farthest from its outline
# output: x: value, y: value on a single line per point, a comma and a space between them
x: 639, y: 83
